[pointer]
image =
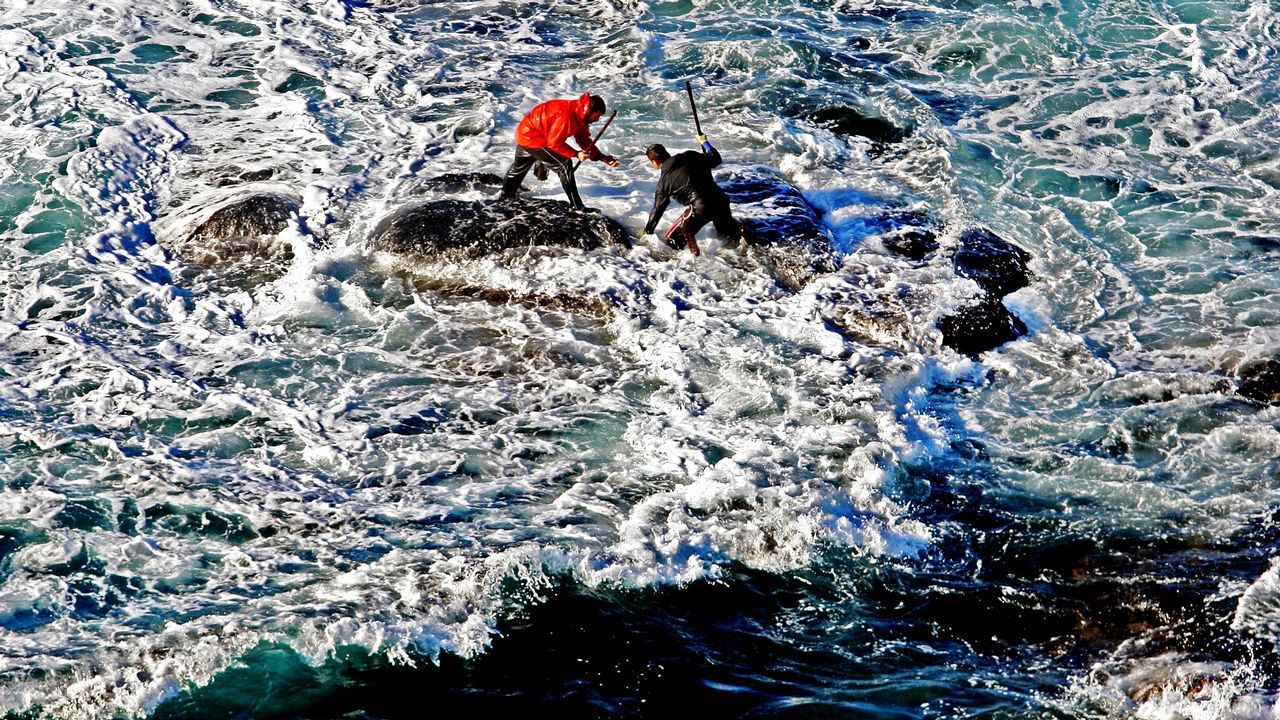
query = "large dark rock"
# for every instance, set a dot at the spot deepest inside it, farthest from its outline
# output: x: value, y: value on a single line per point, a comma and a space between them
x: 1260, y: 381
x: 240, y: 239
x: 476, y: 224
x: 980, y: 327
x: 463, y: 182
x: 251, y: 216
x: 786, y: 232
x: 889, y: 302
x: 468, y: 229
x: 999, y: 266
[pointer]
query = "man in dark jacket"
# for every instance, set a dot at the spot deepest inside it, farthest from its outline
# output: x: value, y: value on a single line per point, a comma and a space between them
x: 687, y: 177
x: 540, y: 138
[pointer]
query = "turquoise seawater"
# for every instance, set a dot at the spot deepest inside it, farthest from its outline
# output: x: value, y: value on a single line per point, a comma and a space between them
x: 301, y: 478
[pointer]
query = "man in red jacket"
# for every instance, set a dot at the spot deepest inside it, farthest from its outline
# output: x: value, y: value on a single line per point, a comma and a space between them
x: 540, y: 138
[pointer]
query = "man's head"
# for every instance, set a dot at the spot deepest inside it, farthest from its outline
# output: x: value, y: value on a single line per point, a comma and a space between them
x: 657, y: 155
x: 595, y: 109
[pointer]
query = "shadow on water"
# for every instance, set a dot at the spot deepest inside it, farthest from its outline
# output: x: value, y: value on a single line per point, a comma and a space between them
x: 754, y: 645
x: 1011, y: 571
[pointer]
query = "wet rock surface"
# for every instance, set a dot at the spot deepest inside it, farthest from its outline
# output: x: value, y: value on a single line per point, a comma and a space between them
x: 999, y: 266
x: 469, y: 229
x: 786, y: 232
x: 891, y: 299
x: 1260, y: 381
x: 236, y: 176
x: 852, y: 121
x: 250, y: 216
x: 241, y: 239
x: 878, y: 311
x: 788, y: 237
x: 975, y: 329
x: 463, y: 182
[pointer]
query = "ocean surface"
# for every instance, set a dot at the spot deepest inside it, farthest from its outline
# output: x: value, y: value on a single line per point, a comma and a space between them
x: 323, y: 481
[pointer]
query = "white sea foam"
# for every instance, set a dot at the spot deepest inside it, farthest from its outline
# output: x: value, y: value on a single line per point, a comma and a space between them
x: 340, y: 456
x: 332, y: 458
x: 1173, y: 687
x: 1258, y: 611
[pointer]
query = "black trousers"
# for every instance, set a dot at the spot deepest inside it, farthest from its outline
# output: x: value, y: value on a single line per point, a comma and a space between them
x: 525, y: 159
x: 697, y: 216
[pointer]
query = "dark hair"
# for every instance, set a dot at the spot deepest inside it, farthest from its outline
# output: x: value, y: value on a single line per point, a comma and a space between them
x: 657, y: 153
x: 596, y: 105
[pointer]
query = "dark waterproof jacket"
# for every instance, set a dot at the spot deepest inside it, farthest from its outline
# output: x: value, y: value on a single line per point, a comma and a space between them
x: 687, y: 177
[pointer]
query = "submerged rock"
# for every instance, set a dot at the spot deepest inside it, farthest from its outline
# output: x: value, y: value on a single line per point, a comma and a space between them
x: 1265, y: 242
x: 980, y: 327
x: 1140, y: 387
x: 999, y: 266
x: 241, y: 240
x: 468, y: 229
x: 265, y: 213
x: 786, y: 232
x: 1260, y: 381
x: 851, y: 121
x: 879, y: 309
x: 237, y: 176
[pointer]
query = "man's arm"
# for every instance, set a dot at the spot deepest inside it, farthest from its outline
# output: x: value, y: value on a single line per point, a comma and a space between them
x: 583, y: 138
x: 712, y: 154
x: 661, y: 199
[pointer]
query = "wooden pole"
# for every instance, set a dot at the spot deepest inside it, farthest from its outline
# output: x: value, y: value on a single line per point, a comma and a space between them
x: 688, y: 87
x: 597, y: 137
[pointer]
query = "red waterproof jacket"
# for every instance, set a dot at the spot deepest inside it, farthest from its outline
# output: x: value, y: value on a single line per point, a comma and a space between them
x: 549, y: 124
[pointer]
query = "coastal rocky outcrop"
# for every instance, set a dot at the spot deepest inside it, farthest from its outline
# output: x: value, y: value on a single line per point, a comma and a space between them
x: 787, y: 235
x: 467, y: 229
x: 999, y: 268
x: 997, y: 265
x: 975, y: 329
x: 463, y: 182
x: 240, y: 237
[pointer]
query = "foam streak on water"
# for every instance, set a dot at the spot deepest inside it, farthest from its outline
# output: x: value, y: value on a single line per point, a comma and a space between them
x: 357, y: 451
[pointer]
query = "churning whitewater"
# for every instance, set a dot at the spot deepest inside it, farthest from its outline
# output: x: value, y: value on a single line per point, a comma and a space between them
x: 783, y: 480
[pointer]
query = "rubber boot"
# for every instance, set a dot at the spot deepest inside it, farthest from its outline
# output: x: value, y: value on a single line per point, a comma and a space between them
x: 691, y: 243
